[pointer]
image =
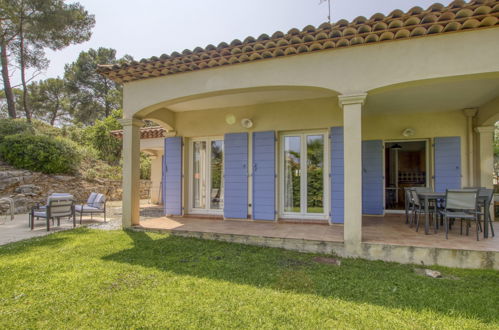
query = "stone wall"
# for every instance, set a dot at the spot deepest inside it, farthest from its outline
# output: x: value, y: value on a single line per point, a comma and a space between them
x: 28, y: 188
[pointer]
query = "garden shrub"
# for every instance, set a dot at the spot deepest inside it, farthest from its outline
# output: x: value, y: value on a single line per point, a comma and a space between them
x: 14, y: 126
x: 43, y: 128
x: 40, y: 153
x: 100, y: 138
x: 145, y: 167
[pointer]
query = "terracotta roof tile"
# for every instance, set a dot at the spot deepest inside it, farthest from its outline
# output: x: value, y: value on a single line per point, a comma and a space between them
x: 154, y: 132
x: 416, y: 22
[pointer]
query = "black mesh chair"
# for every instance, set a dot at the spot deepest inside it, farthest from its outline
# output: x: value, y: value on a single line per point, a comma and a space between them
x: 461, y: 204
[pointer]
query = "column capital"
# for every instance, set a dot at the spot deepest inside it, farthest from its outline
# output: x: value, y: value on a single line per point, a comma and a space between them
x: 131, y: 122
x: 484, y: 129
x: 470, y: 112
x: 357, y: 98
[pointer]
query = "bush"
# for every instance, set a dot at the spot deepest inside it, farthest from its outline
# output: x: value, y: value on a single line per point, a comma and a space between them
x: 145, y: 167
x: 100, y: 138
x: 14, y: 126
x: 40, y: 153
x: 43, y: 128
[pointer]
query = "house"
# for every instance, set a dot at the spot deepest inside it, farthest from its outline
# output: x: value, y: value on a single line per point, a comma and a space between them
x: 323, y: 124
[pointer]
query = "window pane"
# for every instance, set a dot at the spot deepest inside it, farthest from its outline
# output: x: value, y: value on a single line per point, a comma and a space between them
x: 199, y: 170
x: 315, y: 177
x: 216, y: 174
x: 292, y: 158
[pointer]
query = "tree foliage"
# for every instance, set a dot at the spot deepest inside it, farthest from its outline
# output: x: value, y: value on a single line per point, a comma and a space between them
x: 93, y: 96
x: 100, y: 138
x: 49, y: 101
x: 28, y: 27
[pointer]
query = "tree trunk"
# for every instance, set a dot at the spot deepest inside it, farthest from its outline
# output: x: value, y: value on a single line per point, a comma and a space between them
x: 9, y: 95
x: 107, y: 106
x: 54, y: 113
x: 22, y: 62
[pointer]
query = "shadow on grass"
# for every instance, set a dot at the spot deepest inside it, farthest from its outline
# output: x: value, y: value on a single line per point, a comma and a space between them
x: 34, y: 243
x: 472, y: 293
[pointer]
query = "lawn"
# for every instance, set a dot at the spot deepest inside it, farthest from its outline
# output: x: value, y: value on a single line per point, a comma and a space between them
x: 101, y: 279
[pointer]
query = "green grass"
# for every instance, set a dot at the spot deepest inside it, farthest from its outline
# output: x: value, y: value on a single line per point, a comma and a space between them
x: 99, y: 279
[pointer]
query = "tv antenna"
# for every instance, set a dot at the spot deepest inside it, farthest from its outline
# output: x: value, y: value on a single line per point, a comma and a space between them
x: 329, y: 9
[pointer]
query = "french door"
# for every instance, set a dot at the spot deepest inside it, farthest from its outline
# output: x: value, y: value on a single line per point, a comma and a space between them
x: 206, y: 176
x: 304, y: 183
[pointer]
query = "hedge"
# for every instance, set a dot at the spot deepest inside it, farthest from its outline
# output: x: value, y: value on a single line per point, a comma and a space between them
x: 40, y: 153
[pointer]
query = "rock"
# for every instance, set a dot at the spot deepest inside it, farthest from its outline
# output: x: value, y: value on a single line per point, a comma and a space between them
x: 432, y: 273
x: 28, y: 189
x: 428, y: 272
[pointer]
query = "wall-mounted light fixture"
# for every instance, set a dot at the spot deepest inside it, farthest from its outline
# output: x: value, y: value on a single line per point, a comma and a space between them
x: 408, y: 132
x: 246, y: 123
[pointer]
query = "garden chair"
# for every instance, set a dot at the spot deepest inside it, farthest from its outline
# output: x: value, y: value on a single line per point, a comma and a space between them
x: 96, y: 204
x: 481, y: 208
x: 408, y: 205
x: 57, y: 207
x: 418, y: 209
x: 461, y: 204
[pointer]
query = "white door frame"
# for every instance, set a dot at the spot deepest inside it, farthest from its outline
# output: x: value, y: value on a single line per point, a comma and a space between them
x: 190, y: 199
x: 303, y: 178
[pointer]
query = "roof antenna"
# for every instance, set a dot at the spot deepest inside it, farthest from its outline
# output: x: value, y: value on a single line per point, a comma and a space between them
x: 329, y: 9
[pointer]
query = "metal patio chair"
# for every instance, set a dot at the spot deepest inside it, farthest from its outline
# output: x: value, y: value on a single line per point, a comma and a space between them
x: 461, y: 204
x: 57, y: 207
x: 481, y: 208
x: 418, y: 209
x: 96, y: 204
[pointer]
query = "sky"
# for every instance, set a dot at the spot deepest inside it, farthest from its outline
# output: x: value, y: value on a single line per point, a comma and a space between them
x: 145, y: 28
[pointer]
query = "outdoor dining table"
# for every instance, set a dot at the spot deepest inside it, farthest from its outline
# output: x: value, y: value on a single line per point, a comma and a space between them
x: 431, y: 195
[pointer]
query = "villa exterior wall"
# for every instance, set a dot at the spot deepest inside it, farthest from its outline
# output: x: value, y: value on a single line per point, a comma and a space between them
x: 317, y: 114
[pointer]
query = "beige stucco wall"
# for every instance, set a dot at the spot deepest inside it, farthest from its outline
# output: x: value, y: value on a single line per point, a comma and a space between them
x: 306, y: 114
x: 321, y: 114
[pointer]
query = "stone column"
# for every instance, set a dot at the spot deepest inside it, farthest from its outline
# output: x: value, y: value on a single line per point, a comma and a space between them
x: 352, y: 127
x: 486, y: 155
x: 131, y: 171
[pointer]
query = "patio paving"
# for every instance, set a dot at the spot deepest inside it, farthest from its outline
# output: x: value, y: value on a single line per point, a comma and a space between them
x: 17, y: 229
x: 390, y: 229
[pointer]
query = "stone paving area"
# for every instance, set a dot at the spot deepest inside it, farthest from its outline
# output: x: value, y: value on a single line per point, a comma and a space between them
x: 17, y: 229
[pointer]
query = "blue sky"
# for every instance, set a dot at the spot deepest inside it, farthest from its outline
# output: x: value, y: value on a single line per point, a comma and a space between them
x: 145, y: 28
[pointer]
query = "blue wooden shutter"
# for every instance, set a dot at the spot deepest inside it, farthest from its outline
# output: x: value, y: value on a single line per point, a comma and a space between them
x: 236, y: 175
x: 372, y: 177
x: 447, y: 163
x: 162, y: 180
x: 264, y: 175
x: 337, y: 176
x: 172, y: 184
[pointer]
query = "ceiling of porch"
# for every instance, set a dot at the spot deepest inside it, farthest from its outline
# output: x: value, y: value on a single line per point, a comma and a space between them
x: 418, y: 96
x: 250, y: 97
x: 430, y: 96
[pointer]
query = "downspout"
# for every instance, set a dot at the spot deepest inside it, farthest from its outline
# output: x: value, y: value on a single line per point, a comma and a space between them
x: 470, y: 113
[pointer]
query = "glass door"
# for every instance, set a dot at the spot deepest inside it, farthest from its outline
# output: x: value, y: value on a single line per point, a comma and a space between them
x: 303, y: 176
x: 207, y: 189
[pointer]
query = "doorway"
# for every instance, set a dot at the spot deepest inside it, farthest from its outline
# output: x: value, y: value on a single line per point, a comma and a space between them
x: 406, y: 165
x: 206, y: 179
x: 303, y: 176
